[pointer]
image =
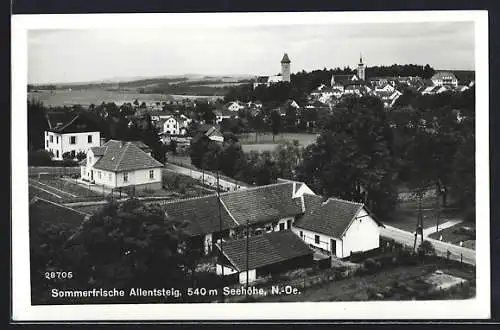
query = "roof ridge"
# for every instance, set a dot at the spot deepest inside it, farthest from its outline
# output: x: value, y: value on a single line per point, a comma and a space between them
x: 344, y: 200
x: 121, y: 156
x: 255, y: 188
x: 188, y: 199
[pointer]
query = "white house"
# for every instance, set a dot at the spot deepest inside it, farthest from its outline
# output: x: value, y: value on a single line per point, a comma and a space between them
x: 337, y: 227
x: 222, y: 114
x: 214, y: 134
x: 175, y: 125
x: 270, y: 253
x: 444, y: 78
x: 121, y: 164
x: 71, y: 133
x: 235, y: 106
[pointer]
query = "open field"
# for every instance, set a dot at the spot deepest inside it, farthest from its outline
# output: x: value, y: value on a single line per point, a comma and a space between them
x: 264, y: 141
x: 304, y: 139
x: 97, y: 96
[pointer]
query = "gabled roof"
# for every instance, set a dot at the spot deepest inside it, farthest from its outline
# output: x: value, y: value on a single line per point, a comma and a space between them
x: 69, y: 122
x: 201, y: 213
x: 285, y: 59
x: 332, y: 217
x: 265, y: 250
x: 125, y: 156
x: 264, y: 203
x: 213, y: 131
x: 261, y: 80
x: 343, y: 79
x: 98, y: 151
x: 257, y: 205
x: 444, y: 75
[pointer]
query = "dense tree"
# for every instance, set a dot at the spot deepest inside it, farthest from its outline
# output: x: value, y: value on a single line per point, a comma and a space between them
x: 37, y: 124
x: 287, y: 156
x: 132, y: 245
x: 275, y: 123
x: 351, y: 158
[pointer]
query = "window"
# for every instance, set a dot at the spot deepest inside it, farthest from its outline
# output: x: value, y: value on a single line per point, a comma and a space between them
x: 57, y: 153
x: 168, y: 126
x: 289, y: 224
x: 282, y: 226
x: 125, y: 176
x: 316, y: 239
x: 151, y: 174
x: 301, y: 234
x: 57, y: 139
x: 99, y: 174
x: 47, y: 144
x: 72, y: 140
x: 51, y: 138
x: 109, y: 176
x: 89, y: 139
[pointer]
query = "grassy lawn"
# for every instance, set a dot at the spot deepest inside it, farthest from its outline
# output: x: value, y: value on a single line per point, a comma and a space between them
x: 401, y: 283
x: 456, y: 234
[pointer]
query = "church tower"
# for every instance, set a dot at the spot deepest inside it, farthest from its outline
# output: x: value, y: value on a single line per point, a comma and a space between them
x: 285, y: 68
x: 361, y: 68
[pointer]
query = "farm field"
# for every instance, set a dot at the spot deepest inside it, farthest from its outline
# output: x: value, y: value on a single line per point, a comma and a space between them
x: 97, y: 96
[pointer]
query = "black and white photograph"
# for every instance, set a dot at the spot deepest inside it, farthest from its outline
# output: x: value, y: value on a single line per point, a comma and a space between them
x: 251, y: 166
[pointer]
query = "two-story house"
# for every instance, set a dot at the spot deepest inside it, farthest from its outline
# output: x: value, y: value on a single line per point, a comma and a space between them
x: 70, y: 133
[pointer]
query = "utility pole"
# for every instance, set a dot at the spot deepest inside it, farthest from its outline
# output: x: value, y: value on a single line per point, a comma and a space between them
x: 248, y: 254
x: 221, y: 254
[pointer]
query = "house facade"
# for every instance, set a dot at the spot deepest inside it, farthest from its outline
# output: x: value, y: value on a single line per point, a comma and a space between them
x: 119, y: 164
x: 337, y: 227
x: 70, y: 134
x: 444, y: 79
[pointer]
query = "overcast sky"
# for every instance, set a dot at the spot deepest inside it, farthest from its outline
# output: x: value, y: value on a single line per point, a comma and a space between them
x: 89, y: 55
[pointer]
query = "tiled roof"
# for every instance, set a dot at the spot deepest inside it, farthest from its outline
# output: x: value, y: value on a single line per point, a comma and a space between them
x: 213, y: 131
x: 264, y: 250
x: 343, y: 79
x: 258, y: 204
x: 125, y: 156
x: 201, y: 213
x: 331, y: 217
x: 98, y: 151
x: 262, y: 203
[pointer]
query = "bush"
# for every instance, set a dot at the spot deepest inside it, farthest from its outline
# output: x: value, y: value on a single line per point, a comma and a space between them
x: 426, y: 249
x: 371, y: 265
x: 81, y: 156
x: 67, y: 156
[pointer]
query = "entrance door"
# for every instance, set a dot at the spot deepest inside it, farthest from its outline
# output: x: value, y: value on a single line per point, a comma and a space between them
x: 333, y: 247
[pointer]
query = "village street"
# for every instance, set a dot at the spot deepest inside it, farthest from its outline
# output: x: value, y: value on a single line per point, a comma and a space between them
x: 407, y: 238
x: 204, y: 177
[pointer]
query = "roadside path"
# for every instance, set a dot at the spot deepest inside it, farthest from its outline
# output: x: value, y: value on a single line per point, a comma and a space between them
x: 407, y: 238
x: 447, y: 224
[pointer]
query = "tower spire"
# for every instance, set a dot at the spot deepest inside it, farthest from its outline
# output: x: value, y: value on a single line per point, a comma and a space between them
x: 360, y: 58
